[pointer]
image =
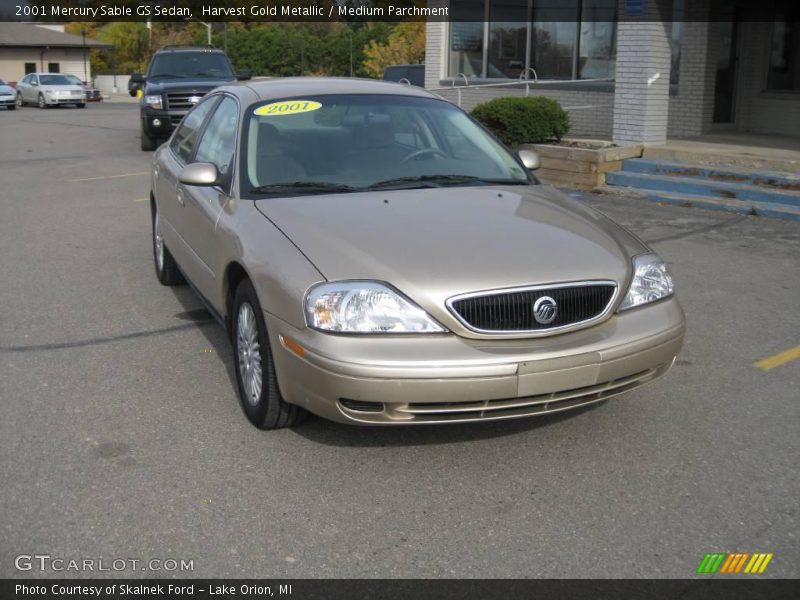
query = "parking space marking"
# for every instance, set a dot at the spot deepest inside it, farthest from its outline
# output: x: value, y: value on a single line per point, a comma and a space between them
x: 776, y: 360
x: 141, y: 199
x: 110, y: 176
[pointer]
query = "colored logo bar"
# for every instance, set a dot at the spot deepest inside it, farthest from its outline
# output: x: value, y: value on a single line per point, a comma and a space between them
x: 732, y: 563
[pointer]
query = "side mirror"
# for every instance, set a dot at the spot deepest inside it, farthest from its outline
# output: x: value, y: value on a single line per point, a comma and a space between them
x: 530, y: 159
x: 137, y: 78
x: 36, y: 83
x: 200, y: 174
x: 244, y: 75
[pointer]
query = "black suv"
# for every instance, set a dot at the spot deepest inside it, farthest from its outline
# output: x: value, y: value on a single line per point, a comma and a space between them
x: 178, y: 76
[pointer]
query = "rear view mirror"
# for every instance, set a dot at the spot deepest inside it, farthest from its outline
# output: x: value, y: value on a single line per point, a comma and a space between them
x: 530, y: 159
x: 243, y: 75
x: 137, y: 78
x: 200, y: 174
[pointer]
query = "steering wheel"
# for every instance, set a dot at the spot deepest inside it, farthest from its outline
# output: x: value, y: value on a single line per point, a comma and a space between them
x: 423, y: 152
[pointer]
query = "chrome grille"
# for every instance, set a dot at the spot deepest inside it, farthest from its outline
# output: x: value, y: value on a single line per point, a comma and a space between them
x: 512, y: 311
x: 180, y: 100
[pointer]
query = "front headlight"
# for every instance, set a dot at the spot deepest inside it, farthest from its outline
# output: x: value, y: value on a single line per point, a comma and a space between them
x: 651, y: 281
x: 153, y: 101
x: 364, y: 307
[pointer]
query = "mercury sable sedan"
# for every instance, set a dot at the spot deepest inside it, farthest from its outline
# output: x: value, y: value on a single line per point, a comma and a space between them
x: 380, y: 258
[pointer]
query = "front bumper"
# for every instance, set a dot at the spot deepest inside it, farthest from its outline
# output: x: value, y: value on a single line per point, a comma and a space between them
x: 158, y: 123
x: 445, y: 378
x: 7, y: 100
x: 56, y: 100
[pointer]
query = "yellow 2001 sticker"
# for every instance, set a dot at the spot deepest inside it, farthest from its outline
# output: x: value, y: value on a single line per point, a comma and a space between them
x: 287, y: 107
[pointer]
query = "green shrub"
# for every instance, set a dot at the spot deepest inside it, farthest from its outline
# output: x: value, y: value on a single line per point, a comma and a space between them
x: 523, y: 120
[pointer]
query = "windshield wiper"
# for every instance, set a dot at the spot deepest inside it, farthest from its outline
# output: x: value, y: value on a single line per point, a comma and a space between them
x: 422, y: 181
x: 303, y: 187
x: 169, y: 75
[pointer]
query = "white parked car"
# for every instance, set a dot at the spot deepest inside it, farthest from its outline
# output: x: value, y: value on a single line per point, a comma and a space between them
x: 7, y: 96
x: 49, y: 89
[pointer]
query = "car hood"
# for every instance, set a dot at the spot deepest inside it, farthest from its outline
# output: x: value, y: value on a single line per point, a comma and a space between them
x: 161, y: 86
x: 6, y: 89
x: 435, y: 243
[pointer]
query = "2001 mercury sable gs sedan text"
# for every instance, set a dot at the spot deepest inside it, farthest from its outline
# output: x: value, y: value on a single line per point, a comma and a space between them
x: 379, y: 258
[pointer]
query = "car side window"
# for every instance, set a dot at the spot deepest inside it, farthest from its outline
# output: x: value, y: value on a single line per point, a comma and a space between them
x: 219, y: 138
x: 186, y: 137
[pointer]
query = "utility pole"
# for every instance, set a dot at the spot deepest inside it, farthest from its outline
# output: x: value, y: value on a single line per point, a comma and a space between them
x: 85, y: 69
x: 207, y: 26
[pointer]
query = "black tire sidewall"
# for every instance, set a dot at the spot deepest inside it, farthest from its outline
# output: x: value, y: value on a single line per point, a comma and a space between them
x: 42, y: 103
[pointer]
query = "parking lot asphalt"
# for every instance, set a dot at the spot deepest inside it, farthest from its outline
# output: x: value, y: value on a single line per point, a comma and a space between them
x: 121, y: 436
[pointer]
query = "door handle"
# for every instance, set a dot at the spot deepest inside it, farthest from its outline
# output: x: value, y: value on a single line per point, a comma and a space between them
x: 179, y: 196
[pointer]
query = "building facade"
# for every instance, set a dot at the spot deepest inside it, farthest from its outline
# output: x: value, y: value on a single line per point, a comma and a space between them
x: 28, y: 48
x: 633, y: 71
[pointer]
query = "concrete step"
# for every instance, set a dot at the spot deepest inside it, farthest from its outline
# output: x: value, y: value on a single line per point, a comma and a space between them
x: 761, y: 209
x: 719, y: 190
x: 756, y: 157
x: 724, y: 173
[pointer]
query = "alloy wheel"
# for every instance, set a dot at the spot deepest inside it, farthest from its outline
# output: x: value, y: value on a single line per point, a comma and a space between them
x: 249, y: 351
x: 158, y: 242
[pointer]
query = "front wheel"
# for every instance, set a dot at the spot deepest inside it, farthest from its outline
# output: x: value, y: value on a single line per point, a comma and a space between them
x: 255, y: 370
x: 42, y: 103
x: 81, y: 105
x: 20, y: 101
x: 12, y: 107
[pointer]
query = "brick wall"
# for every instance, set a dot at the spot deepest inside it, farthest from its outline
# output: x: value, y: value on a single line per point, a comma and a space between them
x: 691, y: 109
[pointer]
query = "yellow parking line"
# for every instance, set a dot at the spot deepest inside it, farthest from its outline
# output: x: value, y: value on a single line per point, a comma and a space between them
x: 776, y: 360
x: 141, y: 199
x: 110, y: 176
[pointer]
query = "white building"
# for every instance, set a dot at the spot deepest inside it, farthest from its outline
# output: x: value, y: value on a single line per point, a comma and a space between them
x: 27, y: 48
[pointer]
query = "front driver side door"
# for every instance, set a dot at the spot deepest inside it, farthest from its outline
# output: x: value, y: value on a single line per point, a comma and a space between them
x: 204, y: 204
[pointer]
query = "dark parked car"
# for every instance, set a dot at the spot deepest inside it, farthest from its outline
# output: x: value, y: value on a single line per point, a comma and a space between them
x: 413, y: 74
x: 178, y: 77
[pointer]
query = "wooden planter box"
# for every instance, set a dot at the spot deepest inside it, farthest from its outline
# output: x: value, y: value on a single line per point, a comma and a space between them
x: 579, y: 168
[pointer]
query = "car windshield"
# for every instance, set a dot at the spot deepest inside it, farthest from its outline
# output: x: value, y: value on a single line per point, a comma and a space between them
x: 54, y: 80
x: 74, y: 79
x: 345, y: 143
x: 191, y: 64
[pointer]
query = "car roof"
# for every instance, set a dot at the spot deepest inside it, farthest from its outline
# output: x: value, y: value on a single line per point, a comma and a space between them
x: 188, y: 49
x: 284, y: 87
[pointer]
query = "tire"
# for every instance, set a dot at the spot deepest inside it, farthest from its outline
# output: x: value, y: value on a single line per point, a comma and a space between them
x: 20, y: 101
x: 42, y: 103
x: 167, y: 270
x: 259, y: 394
x: 12, y: 107
x: 81, y: 105
x: 148, y: 143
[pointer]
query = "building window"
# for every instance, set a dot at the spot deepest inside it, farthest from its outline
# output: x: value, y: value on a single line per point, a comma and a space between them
x: 569, y: 39
x: 53, y: 68
x: 30, y: 68
x: 784, y: 57
x: 466, y: 39
x: 676, y: 38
